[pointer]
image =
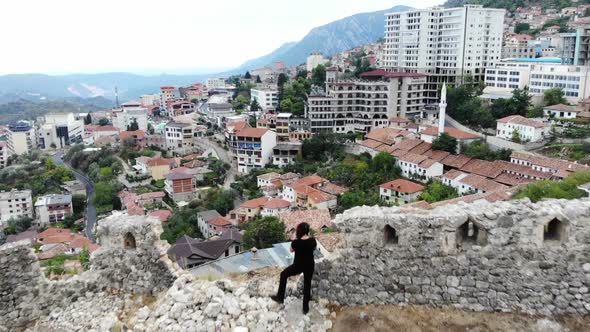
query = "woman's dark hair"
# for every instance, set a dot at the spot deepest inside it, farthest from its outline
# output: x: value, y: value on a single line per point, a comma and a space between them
x: 302, y: 230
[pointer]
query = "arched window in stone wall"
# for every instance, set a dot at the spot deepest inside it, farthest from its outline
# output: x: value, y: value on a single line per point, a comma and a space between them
x: 555, y: 230
x: 470, y: 233
x: 129, y: 241
x: 390, y: 235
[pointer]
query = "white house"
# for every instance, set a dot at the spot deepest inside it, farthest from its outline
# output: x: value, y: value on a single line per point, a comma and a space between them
x: 51, y: 209
x: 527, y: 129
x: 252, y: 147
x: 275, y: 206
x: 267, y: 179
x: 561, y: 111
x: 419, y: 166
x: 203, y: 219
x: 400, y: 191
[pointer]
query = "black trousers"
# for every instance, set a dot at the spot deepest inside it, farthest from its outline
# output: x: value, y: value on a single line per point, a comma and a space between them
x: 294, y: 270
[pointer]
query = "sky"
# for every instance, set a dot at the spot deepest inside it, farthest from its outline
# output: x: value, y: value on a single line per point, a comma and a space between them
x: 153, y: 37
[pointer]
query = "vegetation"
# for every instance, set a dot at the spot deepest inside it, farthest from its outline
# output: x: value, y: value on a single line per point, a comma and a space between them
x: 18, y: 225
x: 554, y: 96
x: 28, y: 110
x: 294, y: 95
x: 36, y: 172
x: 247, y: 185
x: 182, y: 222
x: 318, y: 76
x: 99, y: 165
x: 512, y: 5
x: 105, y: 196
x: 481, y: 150
x: 568, y: 151
x: 566, y: 189
x: 445, y: 142
x: 220, y: 200
x: 436, y: 191
x: 264, y: 232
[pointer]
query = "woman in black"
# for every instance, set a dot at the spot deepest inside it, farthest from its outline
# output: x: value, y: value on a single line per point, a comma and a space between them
x: 303, y: 247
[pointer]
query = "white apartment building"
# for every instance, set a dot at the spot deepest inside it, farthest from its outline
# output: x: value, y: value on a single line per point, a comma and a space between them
x: 315, y: 59
x: 527, y: 129
x: 361, y: 105
x: 149, y: 100
x: 4, y: 154
x: 539, y: 77
x: 268, y: 99
x: 180, y: 137
x: 252, y: 148
x: 21, y: 138
x: 15, y: 204
x: 128, y: 113
x: 51, y: 209
x: 447, y: 44
x: 60, y: 130
x: 215, y: 83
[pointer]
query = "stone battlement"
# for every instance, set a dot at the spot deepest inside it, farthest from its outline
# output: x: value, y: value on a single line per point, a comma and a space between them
x: 503, y: 256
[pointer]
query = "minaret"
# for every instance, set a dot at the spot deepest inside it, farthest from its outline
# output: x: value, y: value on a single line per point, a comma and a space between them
x: 442, y: 109
x: 116, y: 97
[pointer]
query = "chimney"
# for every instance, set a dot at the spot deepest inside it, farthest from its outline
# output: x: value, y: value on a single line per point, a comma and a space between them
x: 442, y: 109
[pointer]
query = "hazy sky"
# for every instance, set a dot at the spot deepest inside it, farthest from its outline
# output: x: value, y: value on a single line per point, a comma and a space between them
x: 68, y: 36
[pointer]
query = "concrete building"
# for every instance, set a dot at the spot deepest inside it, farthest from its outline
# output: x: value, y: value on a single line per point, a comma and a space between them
x: 51, y: 209
x: 178, y: 108
x: 168, y: 93
x: 282, y: 126
x: 149, y: 100
x: 575, y: 48
x: 361, y: 105
x: 217, y: 112
x: 447, y: 44
x: 180, y: 137
x: 204, y: 219
x: 252, y: 148
x: 285, y: 153
x: 400, y: 191
x: 129, y: 113
x: 315, y: 59
x: 21, y: 138
x: 268, y: 99
x: 15, y: 204
x: 60, y: 130
x: 4, y: 154
x: 528, y: 130
x: 561, y: 111
x: 215, y: 83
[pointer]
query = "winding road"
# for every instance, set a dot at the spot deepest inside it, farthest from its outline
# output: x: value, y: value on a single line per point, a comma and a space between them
x: 90, y: 214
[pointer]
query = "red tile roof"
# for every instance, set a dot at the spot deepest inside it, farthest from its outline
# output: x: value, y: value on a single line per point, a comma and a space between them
x: 251, y: 132
x: 481, y: 183
x: 521, y: 120
x: 163, y: 215
x: 403, y: 185
x: 254, y: 203
x: 455, y: 161
x: 276, y: 203
x: 140, y: 134
x: 219, y: 221
x: 482, y: 167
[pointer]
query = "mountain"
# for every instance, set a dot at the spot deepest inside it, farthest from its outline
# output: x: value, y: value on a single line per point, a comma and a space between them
x: 23, y: 109
x: 39, y: 87
x: 329, y: 39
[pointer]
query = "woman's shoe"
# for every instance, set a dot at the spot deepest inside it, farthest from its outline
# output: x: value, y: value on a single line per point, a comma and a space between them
x: 305, y: 310
x: 277, y: 299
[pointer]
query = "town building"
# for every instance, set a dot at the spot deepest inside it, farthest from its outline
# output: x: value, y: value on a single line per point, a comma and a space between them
x: 60, y: 130
x: 575, y: 49
x: 252, y: 148
x: 149, y: 100
x: 4, y: 154
x: 285, y: 153
x: 313, y: 60
x: 217, y: 112
x: 561, y: 111
x: 21, y: 138
x: 215, y: 83
x: 157, y: 168
x: 15, y: 204
x: 128, y: 114
x: 447, y: 44
x: 168, y: 93
x: 400, y: 191
x: 51, y: 209
x: 205, y: 222
x: 189, y: 253
x: 268, y: 99
x: 362, y: 105
x: 180, y: 137
x: 559, y: 169
x: 418, y: 166
x: 179, y: 107
x: 528, y: 130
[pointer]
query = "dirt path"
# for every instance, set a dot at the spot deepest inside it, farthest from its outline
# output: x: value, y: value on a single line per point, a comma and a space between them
x: 422, y: 319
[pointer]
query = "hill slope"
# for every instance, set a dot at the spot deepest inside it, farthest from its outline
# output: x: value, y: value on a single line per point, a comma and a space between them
x: 329, y: 39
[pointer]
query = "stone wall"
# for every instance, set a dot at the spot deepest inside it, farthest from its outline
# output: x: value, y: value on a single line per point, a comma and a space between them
x: 503, y: 256
x: 26, y: 295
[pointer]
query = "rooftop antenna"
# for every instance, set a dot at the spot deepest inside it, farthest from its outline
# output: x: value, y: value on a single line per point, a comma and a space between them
x: 116, y: 97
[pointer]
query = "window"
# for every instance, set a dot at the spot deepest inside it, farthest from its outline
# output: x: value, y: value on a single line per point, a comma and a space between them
x: 555, y: 230
x: 129, y: 241
x: 471, y: 234
x: 390, y: 235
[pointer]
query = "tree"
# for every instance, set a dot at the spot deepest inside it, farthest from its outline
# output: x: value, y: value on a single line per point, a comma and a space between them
x: 252, y: 121
x: 18, y: 225
x: 258, y: 80
x: 254, y: 106
x: 351, y: 199
x: 318, y: 76
x: 88, y: 119
x: 521, y: 27
x: 287, y: 105
x: 105, y: 191
x: 264, y: 232
x: 247, y: 75
x: 436, y: 191
x: 103, y: 122
x: 515, y: 136
x: 182, y: 222
x: 78, y: 203
x: 480, y: 150
x: 566, y: 189
x: 220, y: 200
x: 445, y: 142
x: 240, y: 102
x: 133, y: 126
x: 281, y: 80
x: 553, y: 96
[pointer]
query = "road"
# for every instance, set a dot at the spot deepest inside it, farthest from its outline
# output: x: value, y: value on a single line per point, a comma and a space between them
x: 224, y: 156
x: 90, y: 216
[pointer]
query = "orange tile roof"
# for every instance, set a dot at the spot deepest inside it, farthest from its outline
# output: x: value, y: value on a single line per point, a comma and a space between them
x: 552, y: 163
x: 219, y: 221
x: 562, y: 108
x: 408, y: 144
x: 437, y: 155
x: 413, y: 158
x: 276, y: 203
x: 163, y: 215
x: 482, y: 167
x: 371, y: 144
x: 481, y: 183
x: 453, y: 174
x: 126, y: 134
x: 456, y: 161
x: 160, y: 162
x: 254, y: 203
x: 251, y: 132
x: 386, y: 135
x: 106, y: 128
x: 403, y: 185
x: 310, y: 180
x: 421, y: 148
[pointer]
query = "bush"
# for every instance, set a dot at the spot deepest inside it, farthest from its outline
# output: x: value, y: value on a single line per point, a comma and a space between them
x: 264, y: 232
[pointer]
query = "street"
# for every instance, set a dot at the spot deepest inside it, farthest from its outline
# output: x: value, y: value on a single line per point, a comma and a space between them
x: 90, y: 214
x: 224, y: 156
